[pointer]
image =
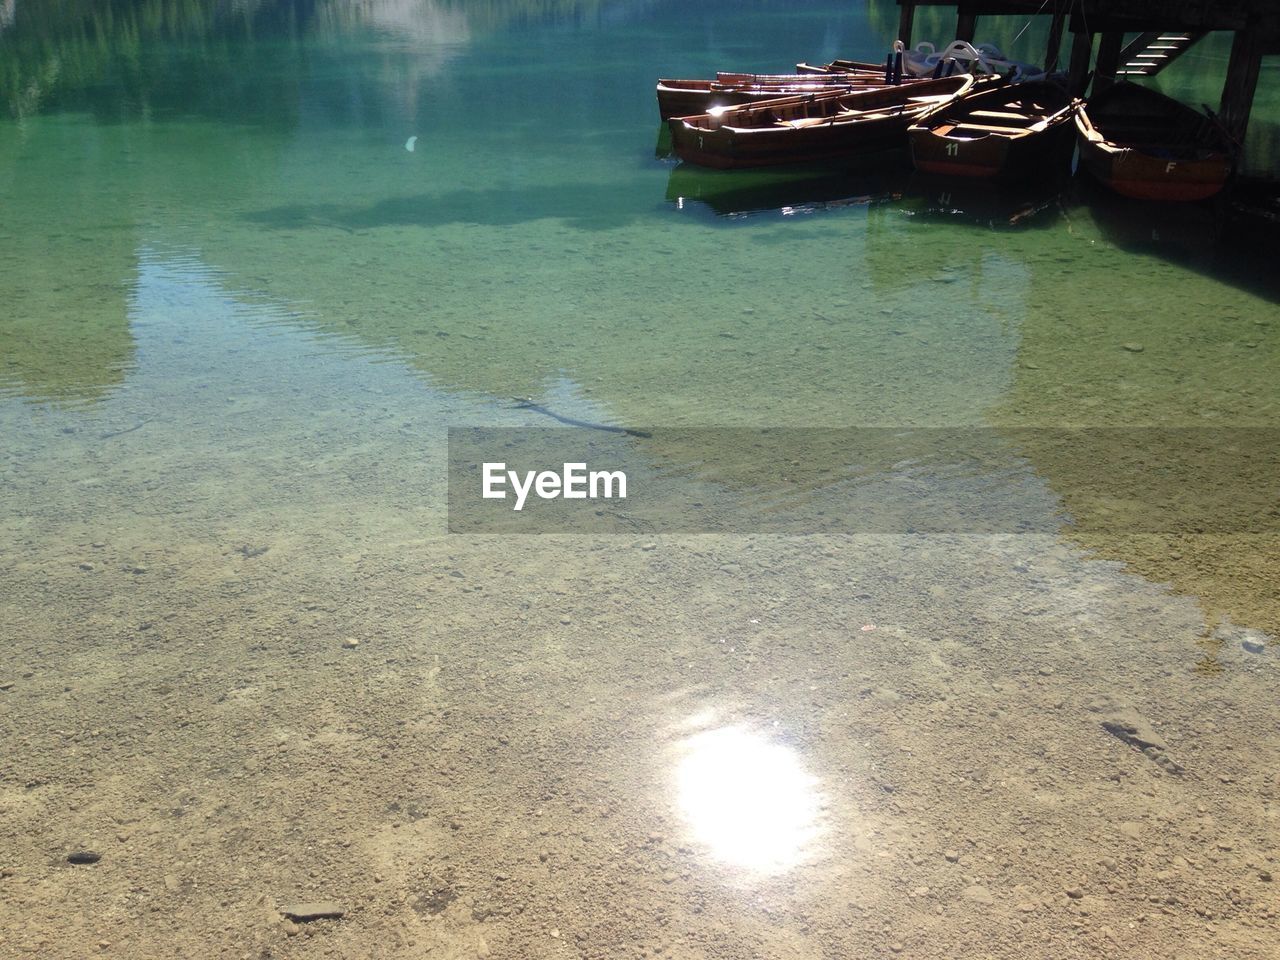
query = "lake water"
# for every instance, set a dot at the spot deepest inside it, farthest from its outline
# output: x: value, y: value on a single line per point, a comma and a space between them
x: 250, y: 666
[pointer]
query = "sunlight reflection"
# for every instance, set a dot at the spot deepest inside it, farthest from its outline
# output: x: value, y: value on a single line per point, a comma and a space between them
x: 748, y: 799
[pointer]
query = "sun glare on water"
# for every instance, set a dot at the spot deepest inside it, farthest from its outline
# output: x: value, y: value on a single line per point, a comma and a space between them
x: 747, y: 799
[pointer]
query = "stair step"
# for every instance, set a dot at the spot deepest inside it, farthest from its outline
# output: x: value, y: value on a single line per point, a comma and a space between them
x: 1149, y: 53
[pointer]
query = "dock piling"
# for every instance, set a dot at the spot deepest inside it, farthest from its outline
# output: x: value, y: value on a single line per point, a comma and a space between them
x: 1108, y: 62
x: 1241, y: 82
x: 1165, y: 29
x: 1081, y: 54
x: 1054, y: 47
x: 906, y: 19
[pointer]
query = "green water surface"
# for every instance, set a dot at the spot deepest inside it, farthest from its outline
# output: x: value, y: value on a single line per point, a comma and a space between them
x: 239, y: 315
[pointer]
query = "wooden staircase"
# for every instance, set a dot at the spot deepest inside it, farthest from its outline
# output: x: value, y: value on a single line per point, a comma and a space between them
x: 1152, y: 52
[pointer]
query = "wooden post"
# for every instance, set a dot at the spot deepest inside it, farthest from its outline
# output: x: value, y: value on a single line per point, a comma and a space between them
x: 1054, y: 46
x: 966, y: 25
x: 906, y: 18
x: 1081, y: 54
x: 1241, y: 82
x: 1104, y: 72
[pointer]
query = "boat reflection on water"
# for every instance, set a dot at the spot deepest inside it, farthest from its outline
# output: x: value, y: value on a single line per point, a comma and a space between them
x: 991, y: 203
x: 813, y: 189
x: 748, y: 799
x: 662, y: 147
x: 735, y: 193
x: 1255, y: 208
x: 1211, y: 237
x: 1136, y: 224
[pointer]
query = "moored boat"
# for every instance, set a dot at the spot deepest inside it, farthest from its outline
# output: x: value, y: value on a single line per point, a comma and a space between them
x: 824, y: 127
x: 841, y: 66
x: 682, y: 98
x: 1008, y: 131
x: 1147, y: 146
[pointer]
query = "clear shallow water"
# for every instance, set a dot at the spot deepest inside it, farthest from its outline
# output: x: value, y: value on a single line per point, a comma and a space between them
x: 240, y: 317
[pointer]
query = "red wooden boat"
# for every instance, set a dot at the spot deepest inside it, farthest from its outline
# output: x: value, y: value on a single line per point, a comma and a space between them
x: 1147, y: 146
x: 820, y: 127
x: 683, y: 98
x: 1010, y: 131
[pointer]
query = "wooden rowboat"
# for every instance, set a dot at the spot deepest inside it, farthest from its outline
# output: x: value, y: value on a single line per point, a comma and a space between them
x: 1147, y: 146
x: 841, y: 66
x: 823, y: 127
x: 682, y: 98
x: 1009, y: 131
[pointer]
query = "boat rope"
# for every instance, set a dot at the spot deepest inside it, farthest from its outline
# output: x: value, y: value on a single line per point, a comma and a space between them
x: 1084, y: 17
x: 1028, y: 23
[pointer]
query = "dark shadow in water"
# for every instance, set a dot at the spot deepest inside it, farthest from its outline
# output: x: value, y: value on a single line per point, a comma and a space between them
x: 1198, y: 236
x: 733, y: 194
x: 1256, y: 209
x: 728, y: 195
x: 987, y: 203
x: 587, y: 207
x: 1205, y: 237
x: 662, y: 147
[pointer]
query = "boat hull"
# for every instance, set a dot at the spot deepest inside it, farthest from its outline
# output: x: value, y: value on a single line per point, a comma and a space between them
x: 684, y: 98
x: 684, y: 101
x: 1146, y: 146
x: 1011, y: 132
x: 992, y: 157
x: 726, y: 150
x: 824, y: 129
x: 1138, y: 175
x: 840, y: 66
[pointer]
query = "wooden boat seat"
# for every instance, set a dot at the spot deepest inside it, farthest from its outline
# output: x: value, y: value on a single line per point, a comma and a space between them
x: 998, y: 127
x: 1000, y: 114
x: 1013, y: 122
x: 989, y: 128
x: 805, y: 122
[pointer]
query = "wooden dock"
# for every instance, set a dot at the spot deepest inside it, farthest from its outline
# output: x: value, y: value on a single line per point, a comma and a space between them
x: 1165, y: 29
